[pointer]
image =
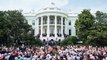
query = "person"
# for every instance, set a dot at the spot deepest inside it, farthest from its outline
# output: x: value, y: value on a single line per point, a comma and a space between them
x: 87, y: 57
x: 12, y: 57
x: 53, y: 53
x: 1, y: 57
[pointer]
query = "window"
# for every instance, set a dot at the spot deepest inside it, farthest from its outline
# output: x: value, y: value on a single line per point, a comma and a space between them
x: 33, y: 32
x: 63, y: 30
x: 39, y: 31
x: 69, y: 31
x: 58, y: 9
x: 45, y: 8
x: 45, y: 31
x: 69, y: 22
x: 25, y: 21
x: 63, y: 21
x: 59, y: 31
x: 52, y: 30
x: 33, y: 22
x: 52, y: 18
x: 51, y: 8
x: 58, y: 20
x: 39, y: 20
x: 44, y: 19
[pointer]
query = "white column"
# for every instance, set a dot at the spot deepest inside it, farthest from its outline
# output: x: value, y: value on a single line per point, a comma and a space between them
x: 41, y: 26
x: 62, y: 26
x: 48, y: 26
x: 55, y: 26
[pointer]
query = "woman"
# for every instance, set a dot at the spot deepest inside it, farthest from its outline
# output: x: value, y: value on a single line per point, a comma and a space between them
x: 87, y: 57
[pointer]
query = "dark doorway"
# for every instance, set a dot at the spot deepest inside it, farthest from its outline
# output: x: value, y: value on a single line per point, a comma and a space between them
x: 69, y: 31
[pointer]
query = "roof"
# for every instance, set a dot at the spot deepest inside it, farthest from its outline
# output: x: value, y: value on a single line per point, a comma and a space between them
x: 51, y: 8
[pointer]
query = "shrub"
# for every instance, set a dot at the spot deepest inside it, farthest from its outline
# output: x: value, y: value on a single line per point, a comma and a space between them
x: 100, y: 41
x: 34, y: 41
x: 71, y: 40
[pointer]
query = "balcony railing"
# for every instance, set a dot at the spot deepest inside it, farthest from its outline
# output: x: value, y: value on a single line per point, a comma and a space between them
x: 52, y: 35
x: 44, y: 35
x: 38, y: 35
x: 59, y: 35
x: 65, y: 35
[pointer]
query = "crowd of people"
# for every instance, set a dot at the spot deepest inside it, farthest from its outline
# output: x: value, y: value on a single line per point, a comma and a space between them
x: 53, y: 53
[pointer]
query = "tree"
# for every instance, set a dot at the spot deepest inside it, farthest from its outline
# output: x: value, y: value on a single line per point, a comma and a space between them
x: 98, y: 33
x: 101, y: 18
x: 13, y: 27
x: 83, y: 24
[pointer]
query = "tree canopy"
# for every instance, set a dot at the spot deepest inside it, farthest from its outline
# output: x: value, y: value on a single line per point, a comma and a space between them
x: 83, y: 23
x: 98, y: 32
x: 13, y: 27
x: 92, y: 29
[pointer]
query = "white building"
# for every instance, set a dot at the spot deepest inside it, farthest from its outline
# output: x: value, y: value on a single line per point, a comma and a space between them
x: 52, y: 23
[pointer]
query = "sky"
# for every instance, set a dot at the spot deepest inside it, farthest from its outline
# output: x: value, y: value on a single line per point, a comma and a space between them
x: 74, y: 6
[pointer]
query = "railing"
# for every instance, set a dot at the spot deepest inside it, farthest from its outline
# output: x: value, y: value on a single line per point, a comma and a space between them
x: 44, y: 35
x: 59, y: 35
x: 65, y: 35
x: 52, y: 35
x: 38, y: 35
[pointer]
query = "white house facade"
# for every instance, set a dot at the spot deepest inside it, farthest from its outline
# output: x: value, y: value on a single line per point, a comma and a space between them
x: 52, y: 23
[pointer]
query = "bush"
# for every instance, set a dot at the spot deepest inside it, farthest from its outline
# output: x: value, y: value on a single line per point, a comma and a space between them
x: 34, y: 41
x: 100, y: 41
x: 71, y: 40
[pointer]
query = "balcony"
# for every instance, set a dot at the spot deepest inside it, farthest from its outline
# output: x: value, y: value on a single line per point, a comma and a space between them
x: 59, y: 35
x: 38, y: 35
x: 65, y: 35
x: 44, y: 35
x: 52, y: 35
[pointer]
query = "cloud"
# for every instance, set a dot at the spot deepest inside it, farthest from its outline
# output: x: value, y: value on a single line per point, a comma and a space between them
x: 74, y: 6
x: 27, y: 5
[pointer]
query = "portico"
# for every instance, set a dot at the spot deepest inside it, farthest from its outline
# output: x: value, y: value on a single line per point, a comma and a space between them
x: 51, y: 26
